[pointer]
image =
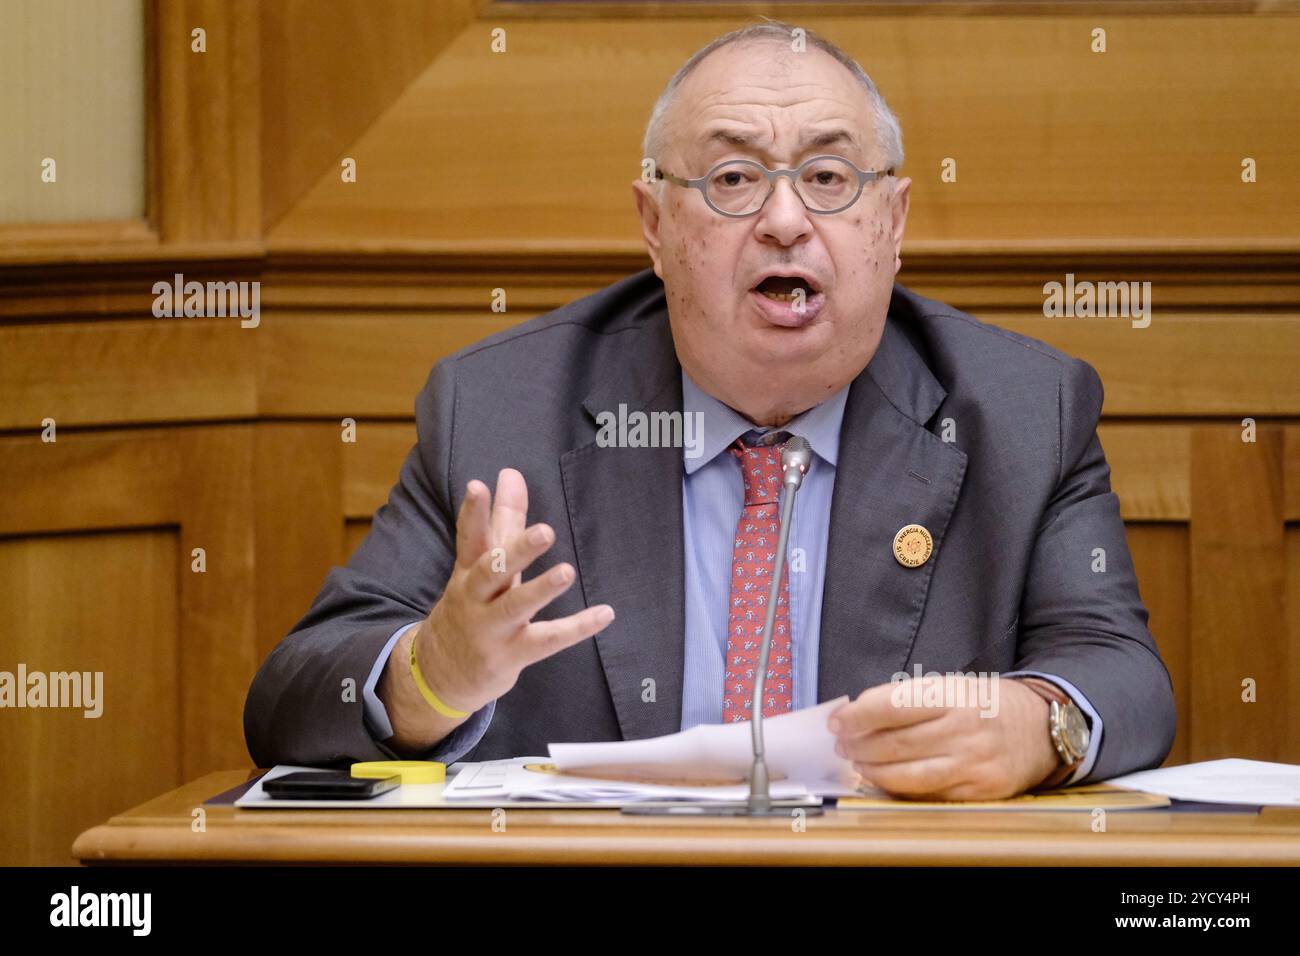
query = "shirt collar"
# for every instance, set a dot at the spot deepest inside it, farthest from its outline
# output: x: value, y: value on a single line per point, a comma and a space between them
x: 722, y: 425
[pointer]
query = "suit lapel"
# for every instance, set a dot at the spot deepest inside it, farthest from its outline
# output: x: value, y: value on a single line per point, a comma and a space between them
x: 625, y: 514
x: 891, y: 472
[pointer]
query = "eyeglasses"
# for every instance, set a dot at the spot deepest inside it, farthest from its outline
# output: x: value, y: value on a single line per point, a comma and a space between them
x: 740, y: 187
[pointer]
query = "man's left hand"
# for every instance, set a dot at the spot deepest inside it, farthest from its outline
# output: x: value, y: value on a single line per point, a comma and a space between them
x: 929, y: 738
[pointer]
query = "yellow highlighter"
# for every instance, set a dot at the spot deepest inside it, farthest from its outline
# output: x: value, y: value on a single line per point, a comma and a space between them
x: 411, y: 771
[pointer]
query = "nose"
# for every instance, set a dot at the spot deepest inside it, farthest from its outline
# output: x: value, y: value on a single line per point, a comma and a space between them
x: 784, y: 218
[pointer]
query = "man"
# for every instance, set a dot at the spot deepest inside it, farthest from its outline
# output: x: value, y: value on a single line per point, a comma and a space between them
x: 950, y: 519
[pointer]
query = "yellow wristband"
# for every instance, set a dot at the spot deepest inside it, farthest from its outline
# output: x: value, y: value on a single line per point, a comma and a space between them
x: 428, y: 693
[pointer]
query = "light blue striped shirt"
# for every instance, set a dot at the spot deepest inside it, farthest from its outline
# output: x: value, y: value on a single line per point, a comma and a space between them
x: 713, y: 496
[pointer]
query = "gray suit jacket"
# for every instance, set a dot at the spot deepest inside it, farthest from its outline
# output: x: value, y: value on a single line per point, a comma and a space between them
x: 1017, y: 502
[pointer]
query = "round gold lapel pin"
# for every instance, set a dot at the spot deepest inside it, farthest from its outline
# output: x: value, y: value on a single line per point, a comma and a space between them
x: 913, y: 546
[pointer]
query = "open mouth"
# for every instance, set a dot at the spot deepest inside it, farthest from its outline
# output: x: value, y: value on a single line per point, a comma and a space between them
x: 785, y: 288
x: 788, y: 301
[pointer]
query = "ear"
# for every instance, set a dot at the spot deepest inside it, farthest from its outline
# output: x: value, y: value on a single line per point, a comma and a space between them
x: 647, y: 207
x: 898, y: 214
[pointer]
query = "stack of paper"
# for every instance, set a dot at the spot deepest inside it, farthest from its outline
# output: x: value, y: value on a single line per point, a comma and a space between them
x: 707, y: 762
x: 537, y: 778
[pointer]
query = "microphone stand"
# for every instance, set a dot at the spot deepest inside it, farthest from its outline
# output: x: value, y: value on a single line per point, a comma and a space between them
x: 795, y: 459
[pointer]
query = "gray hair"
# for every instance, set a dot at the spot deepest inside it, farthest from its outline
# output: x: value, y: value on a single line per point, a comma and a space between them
x: 887, y: 131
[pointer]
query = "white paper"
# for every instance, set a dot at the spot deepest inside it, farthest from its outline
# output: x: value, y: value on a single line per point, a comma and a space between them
x: 529, y: 779
x: 798, y: 748
x: 1253, y: 782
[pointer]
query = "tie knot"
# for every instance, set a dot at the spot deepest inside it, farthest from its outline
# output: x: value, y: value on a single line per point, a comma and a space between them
x: 760, y: 467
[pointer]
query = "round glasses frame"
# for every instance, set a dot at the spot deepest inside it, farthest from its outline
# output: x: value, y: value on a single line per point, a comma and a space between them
x: 864, y: 176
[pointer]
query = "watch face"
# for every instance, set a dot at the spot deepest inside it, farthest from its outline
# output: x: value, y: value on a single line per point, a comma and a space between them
x: 1074, y: 728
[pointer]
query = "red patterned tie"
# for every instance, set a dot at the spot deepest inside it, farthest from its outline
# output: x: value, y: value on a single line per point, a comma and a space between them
x: 752, y: 560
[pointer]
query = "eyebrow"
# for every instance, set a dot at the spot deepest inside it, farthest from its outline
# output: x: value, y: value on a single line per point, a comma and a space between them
x: 734, y: 137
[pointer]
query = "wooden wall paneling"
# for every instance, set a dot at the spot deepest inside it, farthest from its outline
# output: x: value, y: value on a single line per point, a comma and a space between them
x: 298, y: 500
x: 1160, y: 557
x: 46, y: 237
x: 78, y: 281
x: 371, y: 466
x: 1150, y: 469
x: 1150, y: 466
x: 359, y: 339
x: 1225, y: 276
x: 199, y: 480
x: 374, y: 365
x: 209, y: 121
x: 329, y: 67
x: 219, y: 609
x: 360, y: 366
x: 1290, y: 730
x: 1291, y: 470
x: 100, y: 602
x: 148, y: 370
x: 1051, y: 139
x: 88, y: 482
x: 1238, y: 614
x: 1181, y: 365
x: 1291, y: 508
x: 90, y: 579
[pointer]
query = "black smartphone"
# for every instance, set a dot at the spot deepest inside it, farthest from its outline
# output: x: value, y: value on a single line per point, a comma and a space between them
x: 327, y: 785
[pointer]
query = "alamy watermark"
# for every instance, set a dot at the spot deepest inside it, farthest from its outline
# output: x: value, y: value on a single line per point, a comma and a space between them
x: 624, y: 429
x: 933, y: 689
x: 194, y: 299
x: 1101, y: 300
x: 74, y: 689
x: 75, y: 908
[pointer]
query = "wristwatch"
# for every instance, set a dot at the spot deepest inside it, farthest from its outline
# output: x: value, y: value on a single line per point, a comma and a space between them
x: 1068, y: 727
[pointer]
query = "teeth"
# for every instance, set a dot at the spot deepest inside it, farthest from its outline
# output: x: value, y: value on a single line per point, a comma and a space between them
x: 779, y: 296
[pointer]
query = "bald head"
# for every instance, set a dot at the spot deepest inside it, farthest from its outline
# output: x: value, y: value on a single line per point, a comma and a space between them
x: 778, y: 45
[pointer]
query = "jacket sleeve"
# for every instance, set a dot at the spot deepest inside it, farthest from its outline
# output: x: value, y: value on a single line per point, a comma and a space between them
x: 305, y: 705
x: 1081, y: 616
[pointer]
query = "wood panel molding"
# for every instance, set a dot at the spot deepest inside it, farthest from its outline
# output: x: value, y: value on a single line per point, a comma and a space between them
x: 354, y: 332
x: 209, y: 142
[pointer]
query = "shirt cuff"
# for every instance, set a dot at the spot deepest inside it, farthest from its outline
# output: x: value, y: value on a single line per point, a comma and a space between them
x: 448, y: 750
x: 1094, y: 720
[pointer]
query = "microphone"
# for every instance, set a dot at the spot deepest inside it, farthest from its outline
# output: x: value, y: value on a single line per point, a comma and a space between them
x: 796, y: 458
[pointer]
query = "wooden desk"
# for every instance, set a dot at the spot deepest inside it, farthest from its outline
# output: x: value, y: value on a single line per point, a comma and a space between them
x: 160, y: 831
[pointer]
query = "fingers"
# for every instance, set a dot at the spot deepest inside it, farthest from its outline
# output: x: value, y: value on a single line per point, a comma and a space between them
x: 517, y: 606
x: 541, y: 639
x: 934, y: 777
x: 472, y: 525
x: 881, y: 707
x: 485, y: 521
x: 933, y: 738
x: 496, y: 570
x: 509, y: 506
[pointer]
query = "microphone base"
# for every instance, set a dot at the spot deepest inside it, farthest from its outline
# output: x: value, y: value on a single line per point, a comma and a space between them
x: 776, y: 808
